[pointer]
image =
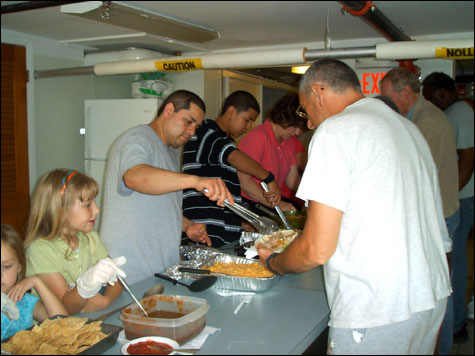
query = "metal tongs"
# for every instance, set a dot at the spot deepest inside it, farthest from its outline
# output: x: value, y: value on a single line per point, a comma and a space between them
x: 263, y: 225
x: 278, y: 209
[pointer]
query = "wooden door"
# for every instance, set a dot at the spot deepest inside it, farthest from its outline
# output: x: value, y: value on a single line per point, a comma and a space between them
x: 15, y: 175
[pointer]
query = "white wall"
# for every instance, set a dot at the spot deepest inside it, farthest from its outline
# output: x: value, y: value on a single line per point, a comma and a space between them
x: 60, y: 113
x: 207, y: 84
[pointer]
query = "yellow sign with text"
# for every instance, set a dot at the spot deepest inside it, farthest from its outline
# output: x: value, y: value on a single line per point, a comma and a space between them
x: 182, y: 65
x: 454, y: 53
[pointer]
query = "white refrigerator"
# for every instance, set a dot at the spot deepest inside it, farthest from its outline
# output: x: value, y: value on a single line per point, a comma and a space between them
x: 105, y: 120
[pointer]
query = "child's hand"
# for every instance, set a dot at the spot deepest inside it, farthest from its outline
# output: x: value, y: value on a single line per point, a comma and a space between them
x: 9, y: 308
x: 105, y: 271
x: 18, y: 290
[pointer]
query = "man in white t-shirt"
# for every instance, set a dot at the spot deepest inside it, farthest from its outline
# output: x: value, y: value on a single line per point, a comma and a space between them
x: 440, y: 89
x: 374, y: 220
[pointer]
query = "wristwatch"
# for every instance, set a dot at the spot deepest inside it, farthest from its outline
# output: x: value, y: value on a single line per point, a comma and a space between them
x: 268, y: 265
x: 269, y: 178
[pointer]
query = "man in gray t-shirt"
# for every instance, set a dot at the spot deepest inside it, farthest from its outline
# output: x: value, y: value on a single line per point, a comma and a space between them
x: 142, y: 215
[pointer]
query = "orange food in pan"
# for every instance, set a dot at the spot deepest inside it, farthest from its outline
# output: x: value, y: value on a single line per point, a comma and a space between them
x: 252, y: 270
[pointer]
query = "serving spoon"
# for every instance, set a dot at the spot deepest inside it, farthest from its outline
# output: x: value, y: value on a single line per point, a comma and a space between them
x: 189, y: 351
x: 201, y: 271
x: 157, y: 289
x: 126, y: 286
x: 197, y: 286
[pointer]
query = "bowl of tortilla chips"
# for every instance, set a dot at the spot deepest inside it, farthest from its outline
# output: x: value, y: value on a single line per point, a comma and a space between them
x: 63, y: 336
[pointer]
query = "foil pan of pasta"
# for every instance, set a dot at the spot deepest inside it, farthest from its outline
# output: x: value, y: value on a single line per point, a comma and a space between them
x: 240, y: 274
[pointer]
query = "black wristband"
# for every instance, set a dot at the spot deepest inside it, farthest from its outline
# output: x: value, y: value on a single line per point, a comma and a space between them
x: 268, y: 265
x: 269, y: 178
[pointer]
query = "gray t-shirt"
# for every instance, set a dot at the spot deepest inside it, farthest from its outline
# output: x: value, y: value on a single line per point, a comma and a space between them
x: 146, y: 229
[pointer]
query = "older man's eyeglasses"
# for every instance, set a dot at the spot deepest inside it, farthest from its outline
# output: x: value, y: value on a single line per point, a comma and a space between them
x: 301, y: 112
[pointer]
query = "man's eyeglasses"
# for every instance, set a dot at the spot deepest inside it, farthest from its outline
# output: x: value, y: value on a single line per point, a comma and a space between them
x: 301, y: 112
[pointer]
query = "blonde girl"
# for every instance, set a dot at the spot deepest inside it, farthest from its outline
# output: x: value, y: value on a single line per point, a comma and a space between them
x: 63, y: 249
x: 19, y: 308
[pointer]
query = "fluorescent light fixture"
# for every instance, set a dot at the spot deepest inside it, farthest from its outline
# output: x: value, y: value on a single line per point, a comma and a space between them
x: 81, y: 7
x: 299, y: 69
x: 138, y: 20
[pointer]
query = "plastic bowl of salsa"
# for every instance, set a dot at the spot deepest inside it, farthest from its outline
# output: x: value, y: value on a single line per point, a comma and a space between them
x: 141, y: 346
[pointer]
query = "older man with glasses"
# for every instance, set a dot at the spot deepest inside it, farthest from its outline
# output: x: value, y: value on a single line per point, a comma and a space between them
x: 374, y: 220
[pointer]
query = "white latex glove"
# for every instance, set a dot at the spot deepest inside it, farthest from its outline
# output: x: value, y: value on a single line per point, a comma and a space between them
x: 9, y: 308
x: 105, y: 271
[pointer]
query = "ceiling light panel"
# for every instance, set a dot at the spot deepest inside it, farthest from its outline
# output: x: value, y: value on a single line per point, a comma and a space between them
x: 150, y: 23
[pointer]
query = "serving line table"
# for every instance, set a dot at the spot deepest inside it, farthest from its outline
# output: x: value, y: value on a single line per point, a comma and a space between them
x: 286, y: 319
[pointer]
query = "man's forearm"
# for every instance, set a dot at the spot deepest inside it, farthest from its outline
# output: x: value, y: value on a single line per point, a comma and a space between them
x: 151, y: 180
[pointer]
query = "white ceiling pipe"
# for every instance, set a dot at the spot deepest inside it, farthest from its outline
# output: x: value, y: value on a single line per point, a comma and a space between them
x: 205, y: 61
x: 255, y: 59
x: 418, y: 49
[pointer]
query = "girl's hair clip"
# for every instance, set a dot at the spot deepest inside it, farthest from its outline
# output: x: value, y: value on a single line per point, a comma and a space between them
x: 65, y: 181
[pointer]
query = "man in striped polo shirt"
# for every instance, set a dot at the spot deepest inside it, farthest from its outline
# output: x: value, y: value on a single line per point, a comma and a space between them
x: 212, y: 152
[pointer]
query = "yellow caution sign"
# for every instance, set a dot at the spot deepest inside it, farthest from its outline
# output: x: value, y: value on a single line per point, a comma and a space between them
x: 454, y: 53
x: 181, y: 65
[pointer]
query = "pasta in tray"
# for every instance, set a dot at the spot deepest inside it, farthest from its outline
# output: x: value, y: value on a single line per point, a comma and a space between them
x: 252, y: 270
x: 279, y: 240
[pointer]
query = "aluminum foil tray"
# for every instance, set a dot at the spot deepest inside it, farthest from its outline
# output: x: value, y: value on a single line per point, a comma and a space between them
x: 248, y: 238
x: 246, y: 284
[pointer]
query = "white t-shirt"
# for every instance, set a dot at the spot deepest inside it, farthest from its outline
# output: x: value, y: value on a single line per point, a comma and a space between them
x: 376, y: 167
x: 144, y: 228
x: 460, y: 116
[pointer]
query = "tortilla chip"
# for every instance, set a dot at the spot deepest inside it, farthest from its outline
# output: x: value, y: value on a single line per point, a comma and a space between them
x: 68, y: 336
x: 46, y: 349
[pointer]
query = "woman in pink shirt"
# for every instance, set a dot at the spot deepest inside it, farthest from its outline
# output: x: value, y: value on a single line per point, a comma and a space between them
x: 271, y: 145
x: 301, y: 156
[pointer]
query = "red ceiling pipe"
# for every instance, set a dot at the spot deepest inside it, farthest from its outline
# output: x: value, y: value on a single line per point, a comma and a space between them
x: 368, y: 12
x: 409, y: 64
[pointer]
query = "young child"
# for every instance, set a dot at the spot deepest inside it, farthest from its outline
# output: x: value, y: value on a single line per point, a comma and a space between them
x: 62, y: 248
x: 19, y: 308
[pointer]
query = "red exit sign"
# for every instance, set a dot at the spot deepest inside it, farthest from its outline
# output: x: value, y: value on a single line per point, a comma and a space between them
x: 370, y: 82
